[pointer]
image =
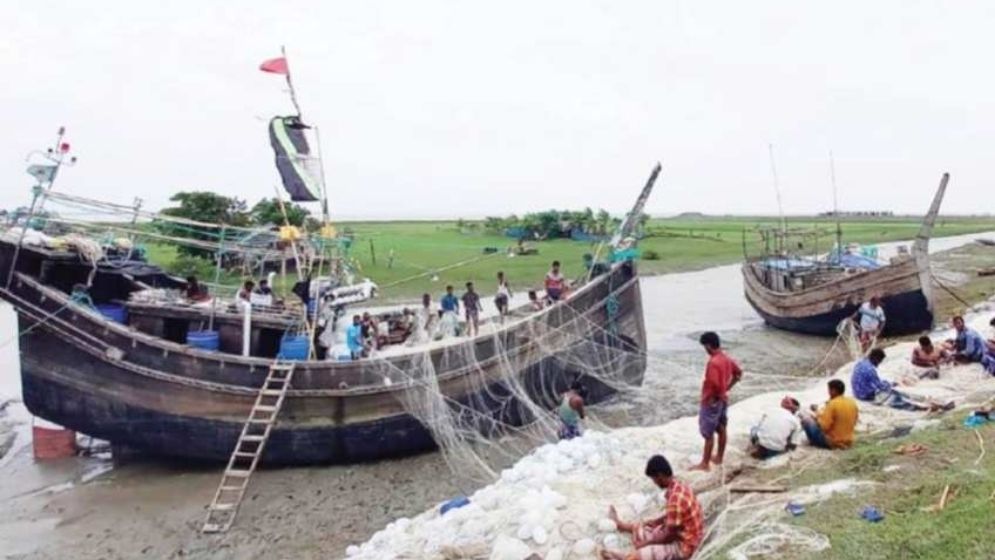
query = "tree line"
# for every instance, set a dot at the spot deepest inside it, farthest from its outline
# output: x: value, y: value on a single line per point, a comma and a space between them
x: 205, y: 206
x: 553, y: 224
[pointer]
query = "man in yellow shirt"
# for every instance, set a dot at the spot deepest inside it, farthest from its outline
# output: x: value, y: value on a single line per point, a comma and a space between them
x: 832, y: 428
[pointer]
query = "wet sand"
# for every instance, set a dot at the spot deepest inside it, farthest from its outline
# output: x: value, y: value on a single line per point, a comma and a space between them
x: 83, y: 508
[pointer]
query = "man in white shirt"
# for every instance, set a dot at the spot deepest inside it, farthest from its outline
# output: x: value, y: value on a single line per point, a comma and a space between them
x: 777, y: 432
x: 870, y: 319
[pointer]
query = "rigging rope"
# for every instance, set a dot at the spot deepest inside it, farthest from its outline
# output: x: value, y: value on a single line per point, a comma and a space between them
x: 948, y: 290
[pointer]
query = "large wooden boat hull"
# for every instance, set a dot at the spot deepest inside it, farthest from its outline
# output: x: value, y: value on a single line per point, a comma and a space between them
x: 819, y: 310
x: 161, y: 398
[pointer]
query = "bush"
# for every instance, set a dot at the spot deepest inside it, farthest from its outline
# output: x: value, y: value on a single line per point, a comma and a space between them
x: 186, y: 265
x: 650, y: 255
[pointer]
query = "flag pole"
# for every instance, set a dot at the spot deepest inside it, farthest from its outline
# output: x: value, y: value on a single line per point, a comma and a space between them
x: 290, y: 84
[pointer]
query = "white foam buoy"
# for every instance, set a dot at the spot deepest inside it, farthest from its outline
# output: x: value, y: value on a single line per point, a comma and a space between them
x: 584, y: 547
x: 509, y: 548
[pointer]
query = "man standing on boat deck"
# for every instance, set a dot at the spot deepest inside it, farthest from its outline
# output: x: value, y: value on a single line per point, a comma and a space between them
x: 555, y: 283
x: 449, y: 319
x: 870, y: 321
x: 721, y: 374
x: 471, y: 304
x: 245, y: 293
x: 503, y: 296
x: 354, y: 337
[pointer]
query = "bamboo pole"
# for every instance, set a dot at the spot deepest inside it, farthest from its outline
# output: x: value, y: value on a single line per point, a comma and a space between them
x: 217, y: 278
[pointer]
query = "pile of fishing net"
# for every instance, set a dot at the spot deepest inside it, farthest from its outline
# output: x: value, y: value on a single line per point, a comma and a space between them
x: 554, y: 501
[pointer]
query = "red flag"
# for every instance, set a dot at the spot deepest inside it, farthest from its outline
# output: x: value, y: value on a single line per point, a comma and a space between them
x: 275, y: 66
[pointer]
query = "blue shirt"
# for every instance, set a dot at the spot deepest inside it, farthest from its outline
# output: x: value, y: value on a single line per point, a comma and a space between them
x: 354, y: 337
x: 865, y: 382
x: 970, y: 344
x: 449, y: 302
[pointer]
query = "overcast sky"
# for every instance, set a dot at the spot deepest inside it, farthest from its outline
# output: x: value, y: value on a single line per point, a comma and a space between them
x: 479, y: 108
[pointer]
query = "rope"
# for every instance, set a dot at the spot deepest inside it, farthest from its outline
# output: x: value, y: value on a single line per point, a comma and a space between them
x: 947, y: 289
x: 438, y: 270
x: 37, y: 324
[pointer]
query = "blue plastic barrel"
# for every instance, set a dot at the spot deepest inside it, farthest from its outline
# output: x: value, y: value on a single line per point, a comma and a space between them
x: 113, y: 311
x: 294, y: 347
x: 311, y: 305
x: 205, y: 340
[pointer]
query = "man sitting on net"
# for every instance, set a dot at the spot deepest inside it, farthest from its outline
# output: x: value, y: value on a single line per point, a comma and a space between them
x: 777, y: 432
x: 929, y: 356
x: 833, y: 425
x: 868, y: 386
x: 676, y: 534
x: 969, y: 346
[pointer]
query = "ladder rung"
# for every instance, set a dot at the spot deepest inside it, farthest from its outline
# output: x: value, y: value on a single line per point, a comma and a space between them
x: 222, y: 507
x: 238, y: 473
x: 253, y: 438
x: 271, y: 392
x: 211, y: 528
x: 232, y: 488
x: 251, y: 455
x: 264, y: 408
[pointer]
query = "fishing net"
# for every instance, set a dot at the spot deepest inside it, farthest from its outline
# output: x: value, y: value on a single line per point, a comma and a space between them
x: 510, y: 393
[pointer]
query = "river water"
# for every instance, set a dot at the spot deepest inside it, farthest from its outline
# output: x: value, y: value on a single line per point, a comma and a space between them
x: 677, y: 307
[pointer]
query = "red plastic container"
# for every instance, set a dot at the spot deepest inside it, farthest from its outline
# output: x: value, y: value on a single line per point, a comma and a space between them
x: 53, y: 443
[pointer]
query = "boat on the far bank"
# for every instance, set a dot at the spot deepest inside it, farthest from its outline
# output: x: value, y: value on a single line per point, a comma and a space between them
x: 814, y: 295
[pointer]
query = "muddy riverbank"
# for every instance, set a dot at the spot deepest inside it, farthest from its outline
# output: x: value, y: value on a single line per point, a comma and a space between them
x: 84, y: 508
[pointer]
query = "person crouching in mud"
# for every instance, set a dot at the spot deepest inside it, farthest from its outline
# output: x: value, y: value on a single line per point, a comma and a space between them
x: 675, y: 535
x: 571, y: 411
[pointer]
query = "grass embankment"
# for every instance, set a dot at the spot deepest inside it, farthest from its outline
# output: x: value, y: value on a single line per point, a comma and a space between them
x: 967, y: 261
x: 420, y: 248
x: 907, y: 488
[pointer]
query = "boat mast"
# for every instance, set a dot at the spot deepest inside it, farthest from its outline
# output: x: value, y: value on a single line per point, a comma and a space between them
x: 836, y: 207
x: 290, y: 84
x: 777, y: 191
x: 920, y: 249
x: 926, y: 229
x: 45, y: 175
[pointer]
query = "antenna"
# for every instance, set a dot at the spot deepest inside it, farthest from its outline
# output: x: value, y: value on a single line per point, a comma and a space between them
x: 777, y: 189
x: 836, y: 205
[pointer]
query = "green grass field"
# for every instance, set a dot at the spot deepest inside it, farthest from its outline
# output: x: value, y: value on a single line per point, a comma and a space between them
x: 421, y: 248
x: 910, y: 528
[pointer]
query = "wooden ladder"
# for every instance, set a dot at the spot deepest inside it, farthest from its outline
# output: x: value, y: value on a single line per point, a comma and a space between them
x: 249, y: 449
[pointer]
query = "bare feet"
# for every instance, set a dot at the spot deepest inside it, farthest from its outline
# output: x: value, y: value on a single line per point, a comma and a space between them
x: 700, y: 467
x: 611, y: 555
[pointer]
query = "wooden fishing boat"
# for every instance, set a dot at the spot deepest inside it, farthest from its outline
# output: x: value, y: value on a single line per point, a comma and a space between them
x: 137, y: 385
x: 814, y: 296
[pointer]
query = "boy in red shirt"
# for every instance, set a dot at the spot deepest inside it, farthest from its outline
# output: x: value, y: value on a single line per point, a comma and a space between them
x: 721, y: 374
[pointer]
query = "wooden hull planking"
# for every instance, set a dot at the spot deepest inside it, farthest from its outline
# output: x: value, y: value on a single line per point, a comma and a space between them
x: 162, y: 398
